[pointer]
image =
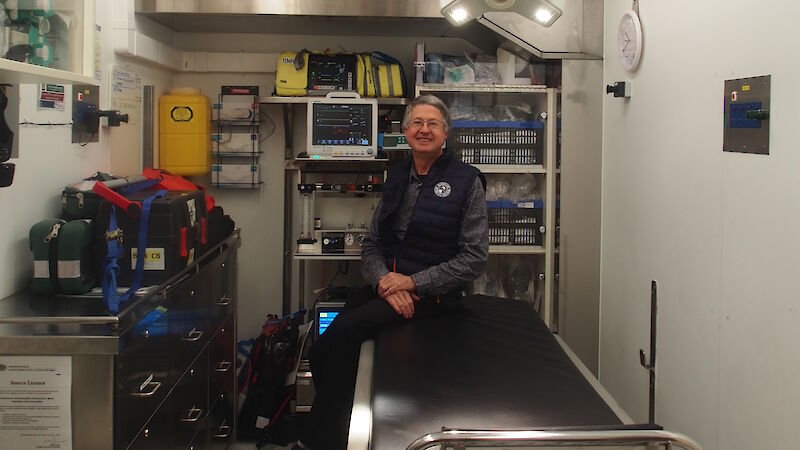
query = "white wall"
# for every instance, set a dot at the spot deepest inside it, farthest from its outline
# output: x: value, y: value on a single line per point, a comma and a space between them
x: 718, y: 231
x: 48, y: 161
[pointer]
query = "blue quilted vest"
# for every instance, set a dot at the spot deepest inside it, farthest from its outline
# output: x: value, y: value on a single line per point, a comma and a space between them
x: 432, y: 234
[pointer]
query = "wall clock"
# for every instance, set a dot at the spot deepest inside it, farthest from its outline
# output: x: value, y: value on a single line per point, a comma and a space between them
x: 629, y: 40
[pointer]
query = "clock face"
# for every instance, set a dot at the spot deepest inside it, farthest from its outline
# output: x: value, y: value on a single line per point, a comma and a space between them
x: 629, y: 40
x: 349, y: 239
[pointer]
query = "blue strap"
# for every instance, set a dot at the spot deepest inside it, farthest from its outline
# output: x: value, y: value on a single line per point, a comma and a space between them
x: 115, y: 250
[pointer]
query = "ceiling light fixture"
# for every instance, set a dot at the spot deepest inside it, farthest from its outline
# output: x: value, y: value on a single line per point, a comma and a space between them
x: 542, y: 12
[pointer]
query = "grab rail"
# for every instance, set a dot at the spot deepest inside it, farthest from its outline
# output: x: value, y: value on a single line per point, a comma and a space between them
x: 532, y: 438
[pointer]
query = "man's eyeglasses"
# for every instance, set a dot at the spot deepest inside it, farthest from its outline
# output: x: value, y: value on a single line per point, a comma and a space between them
x: 432, y: 124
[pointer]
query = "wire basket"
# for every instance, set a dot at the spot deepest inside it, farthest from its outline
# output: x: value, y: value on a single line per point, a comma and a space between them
x: 507, y: 143
x: 514, y: 225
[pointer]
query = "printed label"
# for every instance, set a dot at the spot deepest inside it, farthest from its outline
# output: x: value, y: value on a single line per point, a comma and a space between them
x: 154, y: 259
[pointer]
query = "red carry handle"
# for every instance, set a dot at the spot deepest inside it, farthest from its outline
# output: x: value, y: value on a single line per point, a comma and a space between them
x: 132, y: 209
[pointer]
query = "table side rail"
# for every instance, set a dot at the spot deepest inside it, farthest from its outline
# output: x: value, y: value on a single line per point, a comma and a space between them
x: 540, y: 438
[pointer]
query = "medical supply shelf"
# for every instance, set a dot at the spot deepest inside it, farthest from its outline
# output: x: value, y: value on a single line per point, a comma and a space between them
x: 235, y: 151
x: 393, y: 101
x: 497, y: 147
x: 296, y: 168
x: 159, y: 374
x: 508, y: 168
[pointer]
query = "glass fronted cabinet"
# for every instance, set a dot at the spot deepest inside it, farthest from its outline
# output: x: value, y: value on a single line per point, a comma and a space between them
x: 47, y: 41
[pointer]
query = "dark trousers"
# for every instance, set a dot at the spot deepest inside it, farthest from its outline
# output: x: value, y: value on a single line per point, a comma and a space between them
x: 334, y: 363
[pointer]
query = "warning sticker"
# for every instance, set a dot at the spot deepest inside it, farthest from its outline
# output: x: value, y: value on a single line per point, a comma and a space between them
x: 154, y: 259
x: 51, y: 96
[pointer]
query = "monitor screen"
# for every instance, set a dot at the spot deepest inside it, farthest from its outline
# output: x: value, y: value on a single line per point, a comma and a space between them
x: 324, y: 314
x: 325, y: 319
x: 342, y: 124
x: 342, y: 128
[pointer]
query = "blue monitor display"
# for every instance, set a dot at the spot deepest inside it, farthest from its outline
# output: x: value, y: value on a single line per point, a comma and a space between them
x: 325, y: 319
x: 324, y: 313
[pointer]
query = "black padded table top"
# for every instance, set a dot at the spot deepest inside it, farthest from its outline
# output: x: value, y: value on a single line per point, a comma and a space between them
x: 494, y: 364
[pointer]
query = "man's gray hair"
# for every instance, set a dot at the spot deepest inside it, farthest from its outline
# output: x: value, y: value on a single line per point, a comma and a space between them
x: 432, y: 100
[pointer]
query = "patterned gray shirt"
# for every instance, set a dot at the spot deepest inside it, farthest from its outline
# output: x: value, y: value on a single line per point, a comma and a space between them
x: 473, y: 243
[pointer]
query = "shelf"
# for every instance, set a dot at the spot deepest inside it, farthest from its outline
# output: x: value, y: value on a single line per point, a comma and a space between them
x: 492, y: 88
x: 358, y: 194
x: 329, y: 257
x: 516, y: 250
x: 15, y: 72
x: 255, y: 185
x: 340, y: 160
x: 235, y: 123
x: 336, y: 165
x: 215, y: 154
x: 294, y: 100
x: 510, y: 168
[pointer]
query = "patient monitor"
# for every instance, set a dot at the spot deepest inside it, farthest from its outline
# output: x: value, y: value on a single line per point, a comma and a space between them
x: 342, y: 126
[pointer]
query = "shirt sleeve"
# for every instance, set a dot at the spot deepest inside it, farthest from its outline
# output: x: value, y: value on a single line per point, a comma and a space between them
x: 473, y: 243
x: 373, y: 266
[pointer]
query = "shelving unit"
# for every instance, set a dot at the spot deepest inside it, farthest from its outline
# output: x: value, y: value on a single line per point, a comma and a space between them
x: 235, y: 152
x: 303, y: 170
x: 544, y: 104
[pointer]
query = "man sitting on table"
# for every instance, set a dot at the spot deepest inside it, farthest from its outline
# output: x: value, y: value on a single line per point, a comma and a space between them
x: 428, y: 239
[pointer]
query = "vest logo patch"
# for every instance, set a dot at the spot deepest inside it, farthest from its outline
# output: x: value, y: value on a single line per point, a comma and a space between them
x: 442, y: 189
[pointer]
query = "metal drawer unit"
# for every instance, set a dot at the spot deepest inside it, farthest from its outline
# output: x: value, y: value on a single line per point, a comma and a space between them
x: 160, y: 374
x: 223, y: 289
x: 142, y: 373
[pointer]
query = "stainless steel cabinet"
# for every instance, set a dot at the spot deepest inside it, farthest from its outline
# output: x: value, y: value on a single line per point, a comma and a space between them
x: 170, y: 353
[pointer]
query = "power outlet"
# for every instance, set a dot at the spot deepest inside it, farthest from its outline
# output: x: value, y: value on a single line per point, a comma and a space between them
x: 85, y: 101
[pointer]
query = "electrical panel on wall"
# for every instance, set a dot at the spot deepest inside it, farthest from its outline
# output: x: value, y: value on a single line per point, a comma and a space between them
x: 85, y: 106
x: 747, y: 115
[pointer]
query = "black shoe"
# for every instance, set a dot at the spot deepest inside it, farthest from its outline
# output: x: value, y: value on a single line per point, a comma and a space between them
x: 300, y: 446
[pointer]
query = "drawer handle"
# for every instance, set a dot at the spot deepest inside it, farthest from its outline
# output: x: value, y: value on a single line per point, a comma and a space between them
x: 193, y: 415
x: 193, y: 335
x: 153, y: 385
x: 223, y: 366
x: 224, y: 301
x: 223, y: 432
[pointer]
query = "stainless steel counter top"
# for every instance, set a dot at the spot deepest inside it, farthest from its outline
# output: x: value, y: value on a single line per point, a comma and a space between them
x: 34, y: 324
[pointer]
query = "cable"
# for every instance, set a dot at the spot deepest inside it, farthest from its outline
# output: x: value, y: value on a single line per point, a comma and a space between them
x: 342, y: 267
x: 91, y: 136
x: 261, y: 111
x: 46, y: 124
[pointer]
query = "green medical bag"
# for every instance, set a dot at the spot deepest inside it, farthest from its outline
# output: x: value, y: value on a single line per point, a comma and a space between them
x: 62, y: 253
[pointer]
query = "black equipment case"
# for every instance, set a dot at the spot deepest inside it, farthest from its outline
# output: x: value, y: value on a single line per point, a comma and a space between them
x: 176, y: 235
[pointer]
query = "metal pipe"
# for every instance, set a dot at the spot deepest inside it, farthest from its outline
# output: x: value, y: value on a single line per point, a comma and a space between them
x: 534, y: 438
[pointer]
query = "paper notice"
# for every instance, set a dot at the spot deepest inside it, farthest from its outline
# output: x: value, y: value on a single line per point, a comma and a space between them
x: 35, y: 402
